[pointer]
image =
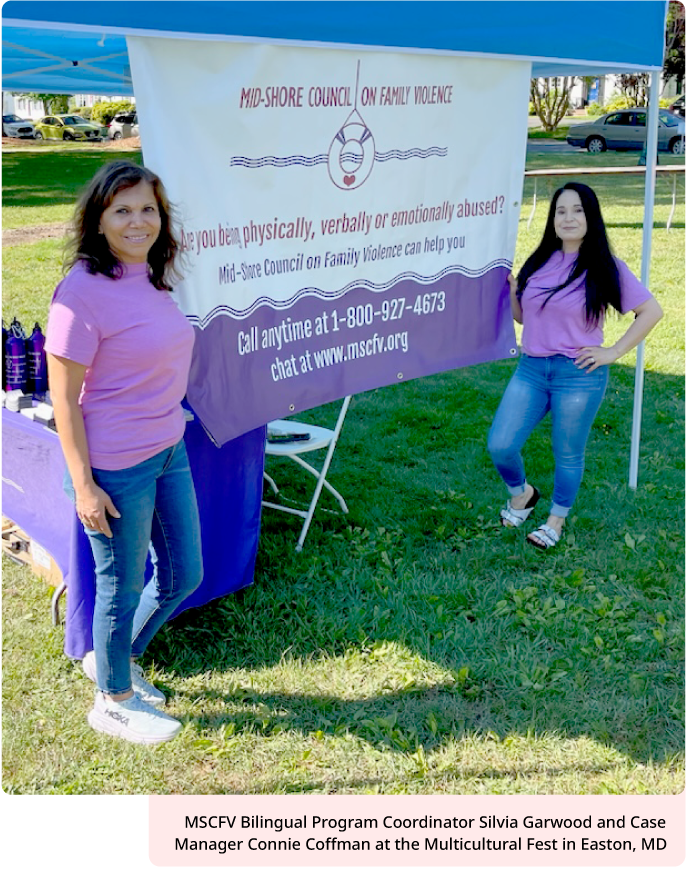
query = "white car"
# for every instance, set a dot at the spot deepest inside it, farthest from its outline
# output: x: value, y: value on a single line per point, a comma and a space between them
x: 123, y: 126
x: 17, y: 128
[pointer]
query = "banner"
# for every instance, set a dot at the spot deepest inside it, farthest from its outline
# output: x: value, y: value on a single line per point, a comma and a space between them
x: 348, y: 217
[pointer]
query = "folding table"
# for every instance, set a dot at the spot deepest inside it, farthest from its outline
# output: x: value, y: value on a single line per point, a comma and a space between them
x: 228, y: 482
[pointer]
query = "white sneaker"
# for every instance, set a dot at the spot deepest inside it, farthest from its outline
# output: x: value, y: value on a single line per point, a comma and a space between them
x: 132, y: 720
x: 88, y: 665
x: 145, y: 690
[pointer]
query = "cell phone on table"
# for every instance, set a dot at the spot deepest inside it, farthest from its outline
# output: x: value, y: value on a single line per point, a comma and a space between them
x: 286, y: 437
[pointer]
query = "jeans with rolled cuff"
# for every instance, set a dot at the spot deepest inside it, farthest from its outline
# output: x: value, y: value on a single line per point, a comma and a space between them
x: 572, y: 396
x: 159, y: 513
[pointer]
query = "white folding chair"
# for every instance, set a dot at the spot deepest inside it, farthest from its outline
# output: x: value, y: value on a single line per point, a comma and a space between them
x: 319, y: 439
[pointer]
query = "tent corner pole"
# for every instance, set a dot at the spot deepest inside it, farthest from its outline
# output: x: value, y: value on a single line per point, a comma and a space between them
x: 648, y: 210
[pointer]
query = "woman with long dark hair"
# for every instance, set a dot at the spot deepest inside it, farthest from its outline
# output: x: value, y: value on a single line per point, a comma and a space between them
x: 119, y: 353
x: 561, y: 296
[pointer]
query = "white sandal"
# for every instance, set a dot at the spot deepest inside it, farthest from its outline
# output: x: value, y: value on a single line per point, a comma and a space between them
x: 544, y: 538
x: 513, y: 517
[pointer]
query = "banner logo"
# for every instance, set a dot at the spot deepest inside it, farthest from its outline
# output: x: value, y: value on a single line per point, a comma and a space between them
x: 352, y: 153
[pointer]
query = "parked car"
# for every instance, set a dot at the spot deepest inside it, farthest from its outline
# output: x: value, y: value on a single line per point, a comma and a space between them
x: 678, y: 106
x: 123, y: 126
x: 17, y: 128
x: 69, y: 127
x: 626, y: 130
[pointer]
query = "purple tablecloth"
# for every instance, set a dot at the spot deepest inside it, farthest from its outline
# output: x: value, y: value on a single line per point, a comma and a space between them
x: 228, y: 481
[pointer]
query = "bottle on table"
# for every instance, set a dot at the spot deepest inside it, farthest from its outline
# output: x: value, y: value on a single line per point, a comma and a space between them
x: 15, y: 358
x: 37, y: 375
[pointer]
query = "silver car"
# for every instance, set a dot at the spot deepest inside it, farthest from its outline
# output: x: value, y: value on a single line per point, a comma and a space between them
x: 626, y: 130
x: 123, y: 126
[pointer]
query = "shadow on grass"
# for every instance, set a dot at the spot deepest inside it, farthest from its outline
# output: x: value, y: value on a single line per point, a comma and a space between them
x: 506, y: 776
x: 446, y: 624
x: 37, y: 179
x: 406, y: 721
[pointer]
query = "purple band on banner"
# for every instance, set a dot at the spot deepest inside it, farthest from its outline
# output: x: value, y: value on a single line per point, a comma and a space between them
x: 275, y: 363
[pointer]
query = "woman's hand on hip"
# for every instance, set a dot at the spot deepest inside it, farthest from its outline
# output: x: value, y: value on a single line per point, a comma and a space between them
x: 590, y: 358
x: 515, y: 304
x: 92, y: 506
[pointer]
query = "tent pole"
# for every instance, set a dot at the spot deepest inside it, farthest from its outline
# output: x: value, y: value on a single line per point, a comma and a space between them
x: 649, y: 203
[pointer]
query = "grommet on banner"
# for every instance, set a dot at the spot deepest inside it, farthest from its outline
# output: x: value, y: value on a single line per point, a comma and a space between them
x: 513, y: 351
x: 291, y: 407
x: 400, y: 376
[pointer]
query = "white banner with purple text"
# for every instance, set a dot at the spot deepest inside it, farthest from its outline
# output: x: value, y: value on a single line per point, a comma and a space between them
x: 348, y: 217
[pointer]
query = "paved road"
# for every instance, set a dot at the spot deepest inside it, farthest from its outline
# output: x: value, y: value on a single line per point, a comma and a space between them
x: 548, y: 146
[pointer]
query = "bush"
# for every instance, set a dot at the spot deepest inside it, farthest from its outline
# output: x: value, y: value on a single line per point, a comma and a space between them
x: 532, y: 109
x: 103, y: 113
x: 619, y: 101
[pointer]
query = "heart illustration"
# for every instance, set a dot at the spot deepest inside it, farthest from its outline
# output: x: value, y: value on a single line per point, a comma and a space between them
x: 348, y: 179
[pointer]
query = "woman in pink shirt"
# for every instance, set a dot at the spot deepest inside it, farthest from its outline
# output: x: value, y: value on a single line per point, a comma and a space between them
x: 561, y: 296
x: 119, y: 352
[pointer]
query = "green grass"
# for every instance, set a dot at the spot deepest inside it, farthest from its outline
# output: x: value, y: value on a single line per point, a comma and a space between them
x: 560, y: 132
x: 583, y: 160
x: 414, y: 646
x: 40, y: 184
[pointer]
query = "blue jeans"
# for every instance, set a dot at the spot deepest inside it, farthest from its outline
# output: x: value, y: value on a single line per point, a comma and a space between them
x: 156, y: 500
x: 573, y: 397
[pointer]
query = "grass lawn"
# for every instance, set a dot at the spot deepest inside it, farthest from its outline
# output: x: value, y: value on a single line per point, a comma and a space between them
x: 414, y: 646
x: 537, y: 131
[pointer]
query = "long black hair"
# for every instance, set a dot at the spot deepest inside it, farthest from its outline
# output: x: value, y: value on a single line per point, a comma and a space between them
x: 89, y: 246
x: 595, y: 258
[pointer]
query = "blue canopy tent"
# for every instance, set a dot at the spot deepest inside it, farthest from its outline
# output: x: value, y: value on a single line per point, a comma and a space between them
x: 77, y: 47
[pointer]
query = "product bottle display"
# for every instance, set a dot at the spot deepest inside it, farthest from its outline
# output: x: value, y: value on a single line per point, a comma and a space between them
x: 37, y: 377
x: 15, y: 358
x: 5, y: 336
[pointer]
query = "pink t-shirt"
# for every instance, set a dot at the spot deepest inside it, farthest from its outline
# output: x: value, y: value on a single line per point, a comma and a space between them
x: 137, y: 347
x: 561, y: 327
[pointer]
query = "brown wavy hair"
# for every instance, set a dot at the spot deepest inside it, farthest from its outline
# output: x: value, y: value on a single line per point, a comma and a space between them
x: 89, y: 246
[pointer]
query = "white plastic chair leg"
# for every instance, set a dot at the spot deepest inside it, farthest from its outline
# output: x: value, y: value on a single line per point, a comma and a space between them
x: 272, y: 484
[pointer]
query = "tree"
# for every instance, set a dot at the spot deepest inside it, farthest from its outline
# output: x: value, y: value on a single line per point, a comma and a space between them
x: 53, y: 104
x: 104, y: 113
x: 674, y: 43
x: 550, y: 98
x: 634, y: 88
